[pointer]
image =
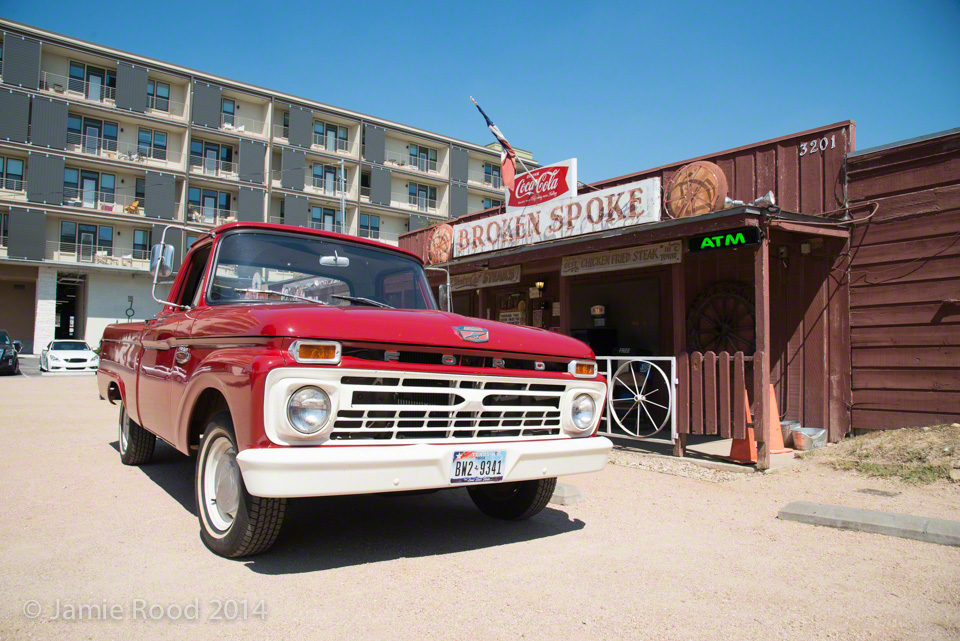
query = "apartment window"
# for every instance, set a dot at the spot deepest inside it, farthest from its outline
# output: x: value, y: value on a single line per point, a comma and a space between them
x: 423, y: 197
x: 491, y: 202
x: 105, y: 239
x: 286, y: 124
x: 94, y: 83
x: 423, y: 158
x: 158, y: 95
x: 369, y: 226
x: 228, y: 108
x: 211, y: 157
x: 74, y: 130
x: 191, y: 240
x: 207, y: 205
x: 90, y: 189
x: 140, y: 191
x: 85, y: 240
x: 71, y: 184
x: 329, y: 136
x: 327, y: 178
x: 108, y: 186
x: 491, y: 175
x: 110, y: 135
x: 365, y: 183
x: 11, y: 173
x: 141, y: 243
x: 152, y: 143
x: 281, y: 210
x: 3, y: 226
x: 327, y: 219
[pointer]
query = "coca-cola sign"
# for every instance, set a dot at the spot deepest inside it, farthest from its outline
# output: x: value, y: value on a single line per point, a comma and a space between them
x: 543, y: 185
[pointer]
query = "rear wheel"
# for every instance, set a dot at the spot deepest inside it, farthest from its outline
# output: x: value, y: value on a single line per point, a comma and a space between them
x: 232, y: 522
x: 136, y: 443
x: 513, y: 501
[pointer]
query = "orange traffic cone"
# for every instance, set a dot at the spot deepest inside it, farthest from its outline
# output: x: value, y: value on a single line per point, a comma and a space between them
x: 744, y: 450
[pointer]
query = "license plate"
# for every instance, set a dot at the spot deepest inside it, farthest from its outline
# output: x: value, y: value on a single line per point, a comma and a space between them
x: 478, y: 466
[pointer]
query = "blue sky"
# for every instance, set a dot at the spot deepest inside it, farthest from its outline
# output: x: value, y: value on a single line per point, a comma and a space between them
x: 622, y: 86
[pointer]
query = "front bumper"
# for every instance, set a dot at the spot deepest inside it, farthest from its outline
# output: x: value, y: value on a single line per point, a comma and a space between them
x: 292, y: 472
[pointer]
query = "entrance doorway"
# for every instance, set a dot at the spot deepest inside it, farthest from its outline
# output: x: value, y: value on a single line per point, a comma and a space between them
x: 631, y: 322
x: 70, y: 318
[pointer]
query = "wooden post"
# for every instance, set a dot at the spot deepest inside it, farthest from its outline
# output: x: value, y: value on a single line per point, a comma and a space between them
x: 761, y: 418
x: 678, y: 300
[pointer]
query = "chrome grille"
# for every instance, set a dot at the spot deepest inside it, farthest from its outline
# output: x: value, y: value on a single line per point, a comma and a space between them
x: 405, y: 407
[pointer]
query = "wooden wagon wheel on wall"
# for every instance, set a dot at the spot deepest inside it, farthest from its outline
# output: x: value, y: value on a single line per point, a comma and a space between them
x: 697, y: 188
x: 723, y: 318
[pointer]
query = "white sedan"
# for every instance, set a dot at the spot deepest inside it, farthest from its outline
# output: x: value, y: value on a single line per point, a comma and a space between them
x: 68, y: 356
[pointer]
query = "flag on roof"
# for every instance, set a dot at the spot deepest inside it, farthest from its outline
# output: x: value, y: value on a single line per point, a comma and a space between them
x: 508, y: 157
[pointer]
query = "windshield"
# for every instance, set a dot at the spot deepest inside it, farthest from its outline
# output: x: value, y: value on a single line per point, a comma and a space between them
x: 321, y: 269
x: 4, y: 338
x: 69, y: 346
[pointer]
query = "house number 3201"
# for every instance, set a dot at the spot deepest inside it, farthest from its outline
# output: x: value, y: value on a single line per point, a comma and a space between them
x: 818, y: 145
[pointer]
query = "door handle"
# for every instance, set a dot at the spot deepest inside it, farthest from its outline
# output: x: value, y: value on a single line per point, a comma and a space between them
x: 182, y: 355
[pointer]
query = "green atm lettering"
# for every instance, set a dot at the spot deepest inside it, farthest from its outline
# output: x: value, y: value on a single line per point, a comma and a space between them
x: 715, y: 242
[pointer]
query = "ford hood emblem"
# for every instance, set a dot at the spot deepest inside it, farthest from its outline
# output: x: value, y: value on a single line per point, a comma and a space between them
x: 472, y: 334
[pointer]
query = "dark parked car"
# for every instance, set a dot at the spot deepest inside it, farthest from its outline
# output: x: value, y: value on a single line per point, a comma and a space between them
x: 9, y: 360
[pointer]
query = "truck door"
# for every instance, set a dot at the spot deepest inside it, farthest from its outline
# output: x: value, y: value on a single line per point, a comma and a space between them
x: 160, y: 381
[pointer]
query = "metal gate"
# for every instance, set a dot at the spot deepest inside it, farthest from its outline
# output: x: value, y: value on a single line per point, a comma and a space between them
x: 641, y: 396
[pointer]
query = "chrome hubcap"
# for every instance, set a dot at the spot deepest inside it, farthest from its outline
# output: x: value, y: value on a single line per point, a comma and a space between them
x: 124, y: 431
x: 221, y: 484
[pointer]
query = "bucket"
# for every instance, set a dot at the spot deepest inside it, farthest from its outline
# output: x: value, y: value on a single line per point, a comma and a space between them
x: 786, y: 428
x: 809, y: 438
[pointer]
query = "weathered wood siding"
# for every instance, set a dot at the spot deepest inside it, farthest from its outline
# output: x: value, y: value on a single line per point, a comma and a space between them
x: 905, y: 285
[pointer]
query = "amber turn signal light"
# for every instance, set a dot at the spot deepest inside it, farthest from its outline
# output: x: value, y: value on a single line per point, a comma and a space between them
x: 583, y: 369
x: 316, y: 352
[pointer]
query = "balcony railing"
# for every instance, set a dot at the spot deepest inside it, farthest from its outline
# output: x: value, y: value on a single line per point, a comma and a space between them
x: 240, y: 124
x: 316, y: 224
x: 485, y: 179
x: 414, y: 163
x: 102, y: 200
x: 76, y: 88
x: 406, y: 200
x: 324, y: 185
x: 277, y: 220
x: 108, y: 148
x: 365, y: 192
x: 13, y: 188
x: 97, y: 254
x: 213, y: 167
x: 331, y: 143
x: 158, y: 105
x: 210, y: 215
x: 280, y: 130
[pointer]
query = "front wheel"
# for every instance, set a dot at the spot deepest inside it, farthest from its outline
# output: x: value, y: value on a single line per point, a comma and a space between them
x: 232, y: 522
x: 513, y: 501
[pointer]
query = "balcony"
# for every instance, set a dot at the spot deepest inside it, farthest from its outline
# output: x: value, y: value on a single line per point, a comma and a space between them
x: 100, y: 255
x: 281, y: 131
x: 337, y: 229
x: 125, y: 151
x: 324, y: 185
x: 103, y: 201
x: 13, y: 189
x: 365, y: 192
x: 241, y: 125
x: 415, y: 163
x: 210, y: 215
x: 213, y: 167
x: 406, y: 200
x: 334, y: 145
x: 78, y: 89
x: 165, y: 107
x: 484, y: 179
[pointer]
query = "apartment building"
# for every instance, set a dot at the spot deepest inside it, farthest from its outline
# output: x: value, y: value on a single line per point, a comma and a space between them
x: 101, y: 149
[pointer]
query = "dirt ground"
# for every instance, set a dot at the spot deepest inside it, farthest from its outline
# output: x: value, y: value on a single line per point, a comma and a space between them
x: 647, y: 556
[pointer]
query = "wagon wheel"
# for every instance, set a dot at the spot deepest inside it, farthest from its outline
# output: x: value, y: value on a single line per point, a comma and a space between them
x: 640, y: 398
x: 723, y: 318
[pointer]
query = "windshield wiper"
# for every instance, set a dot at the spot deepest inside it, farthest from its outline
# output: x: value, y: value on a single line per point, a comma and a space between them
x: 269, y: 292
x: 361, y: 299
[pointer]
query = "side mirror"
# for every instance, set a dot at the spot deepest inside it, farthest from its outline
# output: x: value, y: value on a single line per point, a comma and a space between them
x: 17, y: 345
x: 445, y: 298
x: 161, y: 260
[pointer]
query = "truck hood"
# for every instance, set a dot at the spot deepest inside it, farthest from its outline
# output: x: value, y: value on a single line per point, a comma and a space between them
x: 372, y: 325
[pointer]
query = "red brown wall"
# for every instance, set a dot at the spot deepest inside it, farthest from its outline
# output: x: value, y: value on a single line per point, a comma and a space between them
x: 905, y: 285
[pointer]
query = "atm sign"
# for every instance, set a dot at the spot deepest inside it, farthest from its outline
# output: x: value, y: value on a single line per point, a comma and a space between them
x: 727, y: 239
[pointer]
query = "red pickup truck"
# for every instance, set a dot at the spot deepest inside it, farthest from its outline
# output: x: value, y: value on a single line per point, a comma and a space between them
x: 300, y: 363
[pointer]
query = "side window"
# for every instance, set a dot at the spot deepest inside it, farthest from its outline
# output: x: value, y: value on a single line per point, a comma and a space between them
x: 191, y: 282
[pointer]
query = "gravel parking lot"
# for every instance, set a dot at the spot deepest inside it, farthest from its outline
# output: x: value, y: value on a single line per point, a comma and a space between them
x: 648, y: 555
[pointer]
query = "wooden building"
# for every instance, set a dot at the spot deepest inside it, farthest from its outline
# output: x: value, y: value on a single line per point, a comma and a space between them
x: 787, y: 303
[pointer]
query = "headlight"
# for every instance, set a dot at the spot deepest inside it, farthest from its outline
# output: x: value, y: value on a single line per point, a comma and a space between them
x: 53, y: 357
x: 308, y: 410
x: 583, y: 410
